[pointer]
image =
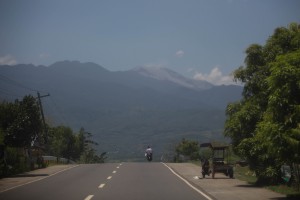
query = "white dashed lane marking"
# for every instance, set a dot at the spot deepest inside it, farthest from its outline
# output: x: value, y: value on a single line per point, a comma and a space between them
x: 89, y: 197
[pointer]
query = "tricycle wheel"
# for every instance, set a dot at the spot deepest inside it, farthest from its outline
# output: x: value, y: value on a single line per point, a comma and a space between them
x: 203, y: 175
x: 230, y: 172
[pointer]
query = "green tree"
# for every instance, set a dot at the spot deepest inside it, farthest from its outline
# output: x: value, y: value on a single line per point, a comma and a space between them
x: 21, y: 122
x: 265, y: 125
x: 188, y: 148
x: 62, y: 142
x: 86, y: 147
x: 20, y: 127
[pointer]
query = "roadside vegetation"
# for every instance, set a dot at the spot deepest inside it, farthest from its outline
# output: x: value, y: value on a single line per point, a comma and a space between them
x: 264, y: 125
x: 245, y: 174
x: 186, y: 150
x: 24, y: 139
x: 189, y: 151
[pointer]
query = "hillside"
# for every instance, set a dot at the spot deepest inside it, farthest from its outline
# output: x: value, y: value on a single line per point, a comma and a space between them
x: 125, y: 110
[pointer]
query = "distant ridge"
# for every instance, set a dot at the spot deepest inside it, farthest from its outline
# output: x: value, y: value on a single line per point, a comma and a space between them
x: 72, y: 65
x: 125, y: 110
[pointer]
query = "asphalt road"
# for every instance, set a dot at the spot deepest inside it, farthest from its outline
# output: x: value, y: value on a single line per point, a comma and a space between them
x: 108, y: 181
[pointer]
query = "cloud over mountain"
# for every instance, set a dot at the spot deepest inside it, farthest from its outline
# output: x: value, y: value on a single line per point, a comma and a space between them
x: 162, y: 73
x: 7, y: 60
x: 215, y: 77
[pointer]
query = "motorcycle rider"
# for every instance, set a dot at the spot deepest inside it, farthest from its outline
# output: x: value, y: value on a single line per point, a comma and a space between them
x: 148, y: 153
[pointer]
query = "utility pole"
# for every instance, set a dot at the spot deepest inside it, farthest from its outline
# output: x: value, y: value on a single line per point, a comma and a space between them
x: 42, y: 113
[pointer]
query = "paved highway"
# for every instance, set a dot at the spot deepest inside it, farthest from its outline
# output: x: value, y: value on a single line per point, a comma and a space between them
x: 130, y: 181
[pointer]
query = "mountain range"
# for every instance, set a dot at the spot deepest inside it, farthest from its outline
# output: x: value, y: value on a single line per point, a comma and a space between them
x: 125, y: 110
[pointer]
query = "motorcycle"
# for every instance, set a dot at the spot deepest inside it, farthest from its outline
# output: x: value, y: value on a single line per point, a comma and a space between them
x: 149, y: 156
x: 205, y: 169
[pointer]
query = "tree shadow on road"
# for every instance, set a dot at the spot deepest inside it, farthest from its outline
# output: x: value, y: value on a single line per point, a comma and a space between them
x: 216, y: 178
x: 28, y: 175
x: 248, y: 186
x: 285, y: 198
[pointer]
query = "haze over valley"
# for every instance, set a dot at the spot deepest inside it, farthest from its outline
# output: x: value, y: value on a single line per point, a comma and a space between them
x: 124, y: 110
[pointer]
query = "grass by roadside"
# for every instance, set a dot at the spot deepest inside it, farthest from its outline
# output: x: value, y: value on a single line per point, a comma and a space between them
x: 244, y: 174
x: 284, y: 189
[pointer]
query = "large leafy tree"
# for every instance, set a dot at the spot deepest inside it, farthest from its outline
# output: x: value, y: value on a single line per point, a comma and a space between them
x: 20, y: 127
x: 265, y: 125
x: 21, y: 122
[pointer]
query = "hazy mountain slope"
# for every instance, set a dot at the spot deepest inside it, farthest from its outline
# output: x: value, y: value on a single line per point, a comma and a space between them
x: 124, y: 110
x: 161, y: 73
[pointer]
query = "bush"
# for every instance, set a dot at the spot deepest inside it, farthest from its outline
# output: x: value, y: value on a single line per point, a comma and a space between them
x: 13, y: 163
x: 187, y: 149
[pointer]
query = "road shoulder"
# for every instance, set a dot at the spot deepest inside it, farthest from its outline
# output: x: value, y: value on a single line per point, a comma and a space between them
x: 222, y: 187
x: 32, y: 176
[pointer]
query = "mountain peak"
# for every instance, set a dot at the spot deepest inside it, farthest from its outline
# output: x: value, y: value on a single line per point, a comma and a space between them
x: 76, y: 65
x: 165, y: 74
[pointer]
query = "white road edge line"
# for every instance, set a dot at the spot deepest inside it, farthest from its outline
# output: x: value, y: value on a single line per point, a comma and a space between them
x: 193, y: 187
x: 89, y: 197
x: 38, y: 179
x: 101, y: 186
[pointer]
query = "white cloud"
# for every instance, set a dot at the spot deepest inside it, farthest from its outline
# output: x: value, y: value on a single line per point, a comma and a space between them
x: 215, y: 77
x: 179, y: 53
x: 8, y: 60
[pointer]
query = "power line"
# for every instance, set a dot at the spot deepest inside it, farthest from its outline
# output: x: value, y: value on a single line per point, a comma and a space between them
x: 8, y: 93
x: 15, y: 83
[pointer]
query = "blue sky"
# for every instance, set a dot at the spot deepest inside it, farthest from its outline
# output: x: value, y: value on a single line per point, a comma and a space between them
x: 201, y: 39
